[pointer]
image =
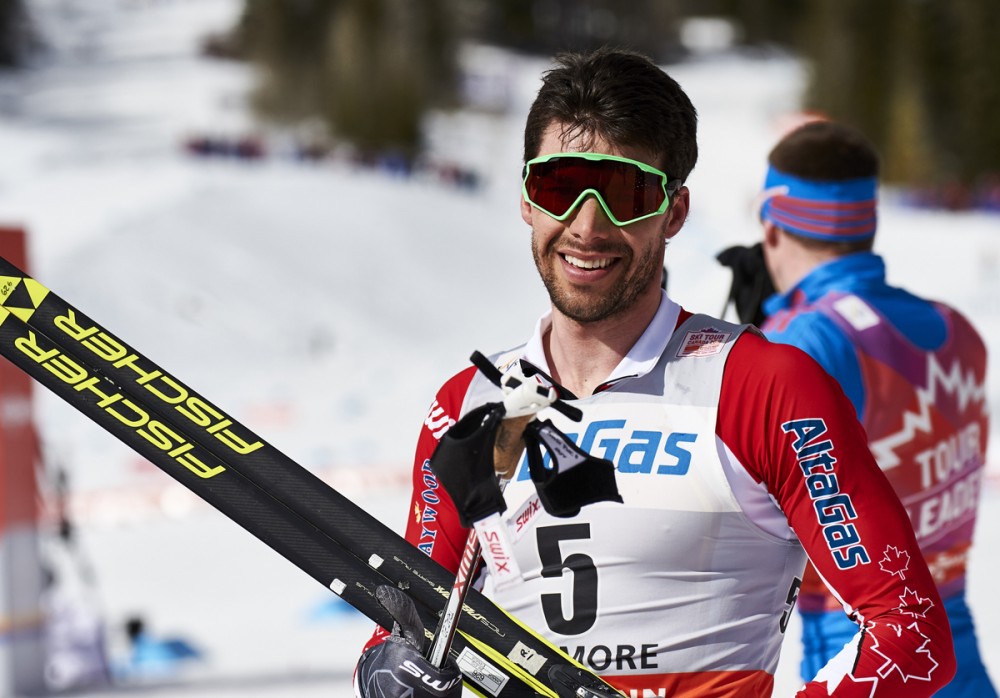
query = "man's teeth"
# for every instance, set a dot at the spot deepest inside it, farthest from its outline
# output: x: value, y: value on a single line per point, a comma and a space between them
x: 588, y: 263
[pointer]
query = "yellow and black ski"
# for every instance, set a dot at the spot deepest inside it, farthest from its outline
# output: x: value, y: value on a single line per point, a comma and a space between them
x: 286, y: 506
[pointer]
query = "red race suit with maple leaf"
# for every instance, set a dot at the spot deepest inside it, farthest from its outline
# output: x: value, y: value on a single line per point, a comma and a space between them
x: 735, y: 458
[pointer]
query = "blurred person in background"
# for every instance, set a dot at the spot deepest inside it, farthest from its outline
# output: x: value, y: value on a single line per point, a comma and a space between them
x: 734, y: 457
x: 914, y: 369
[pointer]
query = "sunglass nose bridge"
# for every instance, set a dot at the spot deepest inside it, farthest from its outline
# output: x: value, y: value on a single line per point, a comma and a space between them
x: 600, y: 206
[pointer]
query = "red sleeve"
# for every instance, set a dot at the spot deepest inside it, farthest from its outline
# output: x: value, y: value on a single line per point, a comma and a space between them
x: 794, y: 430
x: 432, y: 524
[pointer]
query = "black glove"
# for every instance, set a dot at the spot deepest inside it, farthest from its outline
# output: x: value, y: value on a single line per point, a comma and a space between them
x: 575, y: 478
x: 751, y: 281
x: 396, y: 668
x: 463, y: 462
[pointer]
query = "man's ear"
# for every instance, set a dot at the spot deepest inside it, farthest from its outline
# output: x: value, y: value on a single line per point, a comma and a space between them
x: 678, y: 213
x: 776, y: 248
x: 525, y: 210
x: 772, y: 234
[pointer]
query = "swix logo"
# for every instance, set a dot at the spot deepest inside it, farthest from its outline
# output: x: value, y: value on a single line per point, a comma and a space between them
x: 436, y: 685
x: 632, y: 450
x: 524, y: 516
x: 497, y: 551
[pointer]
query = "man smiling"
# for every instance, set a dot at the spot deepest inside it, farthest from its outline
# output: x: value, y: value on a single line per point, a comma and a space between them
x: 728, y: 450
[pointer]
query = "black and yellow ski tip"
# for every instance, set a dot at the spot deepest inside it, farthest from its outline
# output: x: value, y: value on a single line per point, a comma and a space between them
x: 20, y: 296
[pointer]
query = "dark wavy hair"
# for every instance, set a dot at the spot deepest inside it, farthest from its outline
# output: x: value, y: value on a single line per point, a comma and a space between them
x: 825, y: 151
x: 622, y: 97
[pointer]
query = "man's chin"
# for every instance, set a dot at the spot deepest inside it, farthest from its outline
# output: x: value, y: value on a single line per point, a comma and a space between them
x: 584, y: 308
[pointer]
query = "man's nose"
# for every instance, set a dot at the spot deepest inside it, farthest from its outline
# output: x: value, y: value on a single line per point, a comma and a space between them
x: 589, y: 221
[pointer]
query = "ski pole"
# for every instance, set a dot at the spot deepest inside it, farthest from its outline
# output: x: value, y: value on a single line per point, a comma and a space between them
x: 472, y: 552
x: 445, y: 632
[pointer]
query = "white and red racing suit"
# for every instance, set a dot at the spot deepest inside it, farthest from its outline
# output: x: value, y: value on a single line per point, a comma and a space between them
x: 730, y: 456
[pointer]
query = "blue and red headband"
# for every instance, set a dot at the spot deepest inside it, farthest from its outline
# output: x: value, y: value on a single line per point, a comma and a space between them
x: 835, y: 211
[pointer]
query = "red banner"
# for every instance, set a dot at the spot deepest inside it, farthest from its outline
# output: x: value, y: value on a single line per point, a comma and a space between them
x: 19, y: 449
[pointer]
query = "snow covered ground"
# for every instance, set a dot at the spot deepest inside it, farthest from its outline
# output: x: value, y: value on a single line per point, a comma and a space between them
x: 323, y: 304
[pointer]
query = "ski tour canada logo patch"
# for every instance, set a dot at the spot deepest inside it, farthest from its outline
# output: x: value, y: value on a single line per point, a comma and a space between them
x: 704, y: 342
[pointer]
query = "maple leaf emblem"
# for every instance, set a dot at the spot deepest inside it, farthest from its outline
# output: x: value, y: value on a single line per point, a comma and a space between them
x: 895, y: 561
x: 860, y: 687
x: 913, y: 604
x: 921, y: 660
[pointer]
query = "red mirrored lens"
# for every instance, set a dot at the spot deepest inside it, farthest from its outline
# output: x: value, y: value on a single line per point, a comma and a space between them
x: 628, y: 191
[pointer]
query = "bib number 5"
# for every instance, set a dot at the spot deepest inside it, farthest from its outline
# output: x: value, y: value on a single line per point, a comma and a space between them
x: 583, y: 606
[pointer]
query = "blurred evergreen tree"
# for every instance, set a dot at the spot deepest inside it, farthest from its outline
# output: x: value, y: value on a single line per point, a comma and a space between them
x: 760, y: 22
x: 286, y: 41
x: 17, y: 36
x: 545, y: 27
x: 917, y: 76
x: 389, y: 61
x: 369, y: 68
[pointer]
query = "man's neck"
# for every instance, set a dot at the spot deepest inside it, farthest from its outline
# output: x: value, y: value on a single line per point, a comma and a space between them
x: 581, y: 356
x: 800, y: 264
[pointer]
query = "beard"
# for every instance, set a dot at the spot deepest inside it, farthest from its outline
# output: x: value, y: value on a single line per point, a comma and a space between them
x: 589, y: 305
